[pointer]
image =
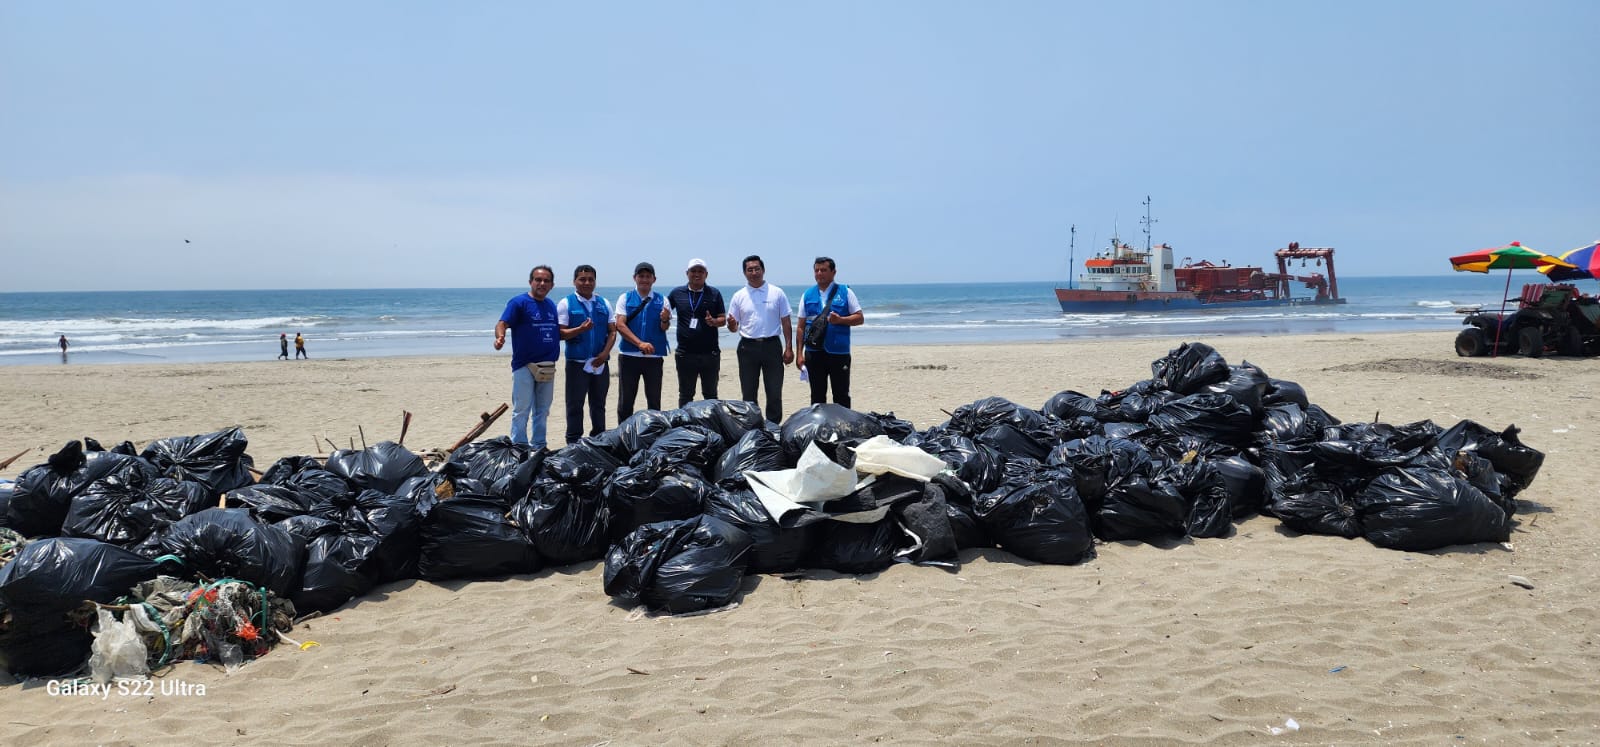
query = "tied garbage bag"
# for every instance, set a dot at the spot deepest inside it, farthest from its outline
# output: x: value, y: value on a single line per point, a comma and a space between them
x: 288, y: 467
x: 975, y: 418
x: 227, y: 543
x: 1038, y: 515
x: 383, y: 466
x: 306, y: 478
x: 53, y: 576
x: 40, y: 647
x: 565, y: 524
x: 678, y: 566
x: 331, y: 573
x: 827, y: 425
x: 688, y: 445
x: 583, y: 464
x: 390, y: 521
x: 43, y: 494
x: 1280, y: 391
x: 928, y: 522
x: 1211, y: 507
x: 508, y: 468
x: 642, y: 428
x: 773, y: 548
x: 117, y: 508
x: 468, y: 536
x: 1317, y: 507
x: 216, y: 460
x: 979, y: 468
x: 1516, y: 463
x: 1069, y: 405
x: 756, y: 451
x: 896, y: 429
x: 852, y: 547
x: 1214, y: 417
x: 1189, y: 368
x: 1246, y: 384
x: 728, y: 418
x: 1424, y: 509
x: 269, y: 504
x: 1244, y: 482
x: 654, y: 489
x: 1010, y: 442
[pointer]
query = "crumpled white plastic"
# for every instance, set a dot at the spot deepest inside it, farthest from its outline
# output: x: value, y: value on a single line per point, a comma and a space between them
x: 881, y: 454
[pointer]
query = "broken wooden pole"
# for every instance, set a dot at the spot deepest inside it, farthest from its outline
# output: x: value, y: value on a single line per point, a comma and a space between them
x: 484, y: 421
x: 15, y: 457
x: 405, y: 425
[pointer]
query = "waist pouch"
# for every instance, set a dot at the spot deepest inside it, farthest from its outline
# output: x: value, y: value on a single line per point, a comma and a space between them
x: 544, y: 371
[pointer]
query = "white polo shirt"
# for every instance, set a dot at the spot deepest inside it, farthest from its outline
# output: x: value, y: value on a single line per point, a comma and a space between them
x: 759, y: 311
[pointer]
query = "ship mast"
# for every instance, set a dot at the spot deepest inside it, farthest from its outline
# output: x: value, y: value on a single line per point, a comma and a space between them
x: 1148, y: 222
x: 1072, y: 246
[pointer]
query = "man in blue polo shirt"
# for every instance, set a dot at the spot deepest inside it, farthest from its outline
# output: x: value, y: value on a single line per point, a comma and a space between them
x: 834, y: 307
x: 535, y: 345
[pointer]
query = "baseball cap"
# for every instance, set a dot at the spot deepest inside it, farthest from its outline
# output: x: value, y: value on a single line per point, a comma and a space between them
x: 696, y: 262
x: 644, y: 267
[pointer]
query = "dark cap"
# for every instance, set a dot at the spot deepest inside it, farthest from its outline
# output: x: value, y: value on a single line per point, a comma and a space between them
x: 644, y: 267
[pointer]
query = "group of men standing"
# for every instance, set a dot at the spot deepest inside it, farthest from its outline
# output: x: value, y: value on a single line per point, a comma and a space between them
x: 589, y: 328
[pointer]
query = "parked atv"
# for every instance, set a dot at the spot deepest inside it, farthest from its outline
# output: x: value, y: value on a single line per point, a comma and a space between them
x: 1549, y: 318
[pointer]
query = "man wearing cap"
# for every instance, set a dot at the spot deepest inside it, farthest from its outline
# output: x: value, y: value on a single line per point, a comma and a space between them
x: 589, y: 332
x: 701, y: 315
x: 642, y: 318
x: 834, y: 307
x: 535, y: 344
x: 758, y: 312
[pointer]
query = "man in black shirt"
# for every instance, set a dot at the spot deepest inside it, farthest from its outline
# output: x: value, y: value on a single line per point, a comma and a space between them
x: 701, y: 314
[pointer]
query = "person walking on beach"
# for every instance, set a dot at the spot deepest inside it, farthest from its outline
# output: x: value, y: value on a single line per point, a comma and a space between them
x: 827, y: 312
x: 63, y: 343
x: 535, y: 344
x: 283, y: 346
x: 642, y: 318
x: 758, y: 312
x: 589, y: 332
x: 300, y: 347
x: 701, y: 314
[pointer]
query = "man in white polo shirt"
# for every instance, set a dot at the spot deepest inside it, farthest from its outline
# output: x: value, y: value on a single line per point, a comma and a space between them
x: 758, y: 312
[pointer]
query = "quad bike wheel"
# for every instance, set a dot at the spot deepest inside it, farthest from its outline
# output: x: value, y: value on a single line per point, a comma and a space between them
x: 1571, y: 342
x: 1470, y: 343
x: 1530, y: 342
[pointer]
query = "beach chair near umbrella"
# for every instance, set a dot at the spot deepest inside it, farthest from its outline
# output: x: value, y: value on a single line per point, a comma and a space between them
x: 1513, y: 256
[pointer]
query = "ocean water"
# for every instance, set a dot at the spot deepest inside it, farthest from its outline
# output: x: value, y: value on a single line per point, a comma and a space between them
x: 168, y: 326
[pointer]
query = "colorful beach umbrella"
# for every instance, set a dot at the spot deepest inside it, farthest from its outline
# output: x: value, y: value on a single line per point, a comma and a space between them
x: 1585, y: 261
x: 1513, y: 256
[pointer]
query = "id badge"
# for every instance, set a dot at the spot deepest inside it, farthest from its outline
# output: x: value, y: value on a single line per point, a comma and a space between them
x: 694, y: 324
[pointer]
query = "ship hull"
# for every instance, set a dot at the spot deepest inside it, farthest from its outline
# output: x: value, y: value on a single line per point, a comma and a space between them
x: 1078, y: 301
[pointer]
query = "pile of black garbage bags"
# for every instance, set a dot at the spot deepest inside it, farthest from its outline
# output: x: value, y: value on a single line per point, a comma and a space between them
x: 664, y: 500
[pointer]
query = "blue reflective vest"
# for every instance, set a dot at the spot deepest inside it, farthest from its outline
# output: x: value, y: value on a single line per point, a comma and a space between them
x: 647, y: 325
x: 837, y: 338
x: 587, y: 345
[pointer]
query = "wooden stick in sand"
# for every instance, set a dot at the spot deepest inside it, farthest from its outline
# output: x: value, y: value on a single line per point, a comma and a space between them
x: 405, y: 425
x: 484, y: 421
x: 18, y: 455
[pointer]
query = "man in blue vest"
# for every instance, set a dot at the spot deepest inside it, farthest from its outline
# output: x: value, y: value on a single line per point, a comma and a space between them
x: 535, y: 345
x: 832, y: 309
x: 589, y: 333
x: 642, y: 317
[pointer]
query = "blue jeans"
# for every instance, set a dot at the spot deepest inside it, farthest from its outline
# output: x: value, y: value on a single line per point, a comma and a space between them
x: 530, y: 398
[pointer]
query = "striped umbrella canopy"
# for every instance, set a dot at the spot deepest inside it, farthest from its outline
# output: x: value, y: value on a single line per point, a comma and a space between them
x: 1513, y: 256
x: 1585, y: 261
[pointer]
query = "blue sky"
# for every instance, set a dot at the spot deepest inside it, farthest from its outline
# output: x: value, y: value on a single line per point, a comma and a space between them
x: 395, y: 144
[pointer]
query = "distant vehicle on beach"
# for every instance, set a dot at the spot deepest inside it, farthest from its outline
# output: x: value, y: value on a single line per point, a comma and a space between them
x: 1549, y: 318
x: 1123, y: 278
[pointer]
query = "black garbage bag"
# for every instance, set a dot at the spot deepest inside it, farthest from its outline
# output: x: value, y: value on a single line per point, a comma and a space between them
x: 1189, y: 368
x: 1245, y: 482
x: 1280, y: 391
x: 688, y: 445
x: 1424, y: 509
x: 1418, y: 435
x: 566, y: 524
x: 929, y: 524
x: 756, y: 451
x: 1285, y: 467
x: 1246, y: 384
x: 469, y: 537
x: 50, y: 577
x: 43, y: 494
x: 849, y: 547
x: 269, y: 504
x: 1130, y: 431
x: 1038, y: 516
x: 509, y: 469
x: 1211, y: 506
x: 290, y: 466
x: 773, y: 548
x: 332, y: 572
x: 1138, y: 503
x: 425, y: 491
x: 1214, y: 417
x: 1517, y: 464
x: 1481, y: 474
x: 679, y: 566
x: 1287, y: 423
x: 642, y: 428
x: 583, y: 464
x: 609, y: 441
x: 312, y: 484
x: 1357, y: 458
x: 829, y: 426
x: 1067, y: 405
x: 37, y: 647
x: 898, y: 429
x: 978, y: 467
x: 383, y: 466
x: 391, y: 520
x: 1097, y: 462
x: 1136, y: 406
x: 1317, y: 507
x: 216, y: 460
x: 227, y: 543
x: 115, y: 508
x: 961, y: 512
x: 1010, y: 442
x: 975, y: 418
x: 125, y: 448
x: 728, y: 418
x: 652, y: 490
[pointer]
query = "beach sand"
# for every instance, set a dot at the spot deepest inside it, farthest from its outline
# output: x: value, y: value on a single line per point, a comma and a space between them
x: 1204, y: 641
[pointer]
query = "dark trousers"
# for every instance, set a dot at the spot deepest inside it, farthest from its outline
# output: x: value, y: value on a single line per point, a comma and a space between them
x: 758, y: 358
x: 697, y: 367
x: 630, y: 369
x: 824, y: 367
x: 582, y: 387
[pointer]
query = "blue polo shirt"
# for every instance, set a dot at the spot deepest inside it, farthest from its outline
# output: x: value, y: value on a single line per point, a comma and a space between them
x: 535, y: 333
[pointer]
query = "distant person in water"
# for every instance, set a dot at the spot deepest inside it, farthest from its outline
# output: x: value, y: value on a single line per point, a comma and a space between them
x: 63, y: 342
x: 283, y: 346
x: 300, y: 347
